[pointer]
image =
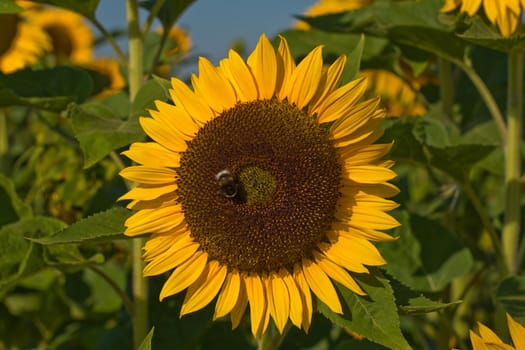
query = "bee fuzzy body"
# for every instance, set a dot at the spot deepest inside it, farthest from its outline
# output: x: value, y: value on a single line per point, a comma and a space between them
x: 227, y: 183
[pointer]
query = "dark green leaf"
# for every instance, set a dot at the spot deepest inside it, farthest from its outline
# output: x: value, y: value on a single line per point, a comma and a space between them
x: 100, y: 227
x: 511, y: 294
x: 146, y: 344
x: 56, y: 104
x: 426, y: 257
x: 73, y: 83
x: 406, y: 145
x: 358, y: 344
x: 373, y: 316
x: 99, y: 135
x: 84, y: 7
x: 21, y: 257
x: 149, y: 92
x: 103, y: 297
x: 411, y: 23
x: 481, y: 33
x: 458, y: 160
x: 170, y: 10
x: 11, y: 206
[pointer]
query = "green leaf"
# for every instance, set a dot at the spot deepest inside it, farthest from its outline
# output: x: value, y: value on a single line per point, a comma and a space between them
x: 511, y: 294
x: 99, y: 134
x: 483, y: 34
x: 103, y: 297
x: 426, y: 257
x: 149, y: 92
x: 406, y: 145
x: 21, y: 257
x: 458, y: 160
x: 170, y: 10
x: 373, y: 316
x: 9, y: 6
x: 411, y: 23
x: 146, y: 343
x: 11, y: 206
x: 100, y: 227
x: 358, y: 344
x: 53, y: 86
x: 84, y: 7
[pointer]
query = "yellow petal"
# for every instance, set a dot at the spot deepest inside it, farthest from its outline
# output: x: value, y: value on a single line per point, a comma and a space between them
x: 306, y: 296
x: 205, y: 288
x: 339, y: 255
x: 329, y: 83
x: 168, y: 138
x: 173, y: 257
x: 337, y: 103
x: 154, y: 220
x: 149, y: 192
x: 263, y: 64
x: 337, y: 273
x: 364, y: 154
x: 360, y: 249
x: 517, y: 332
x: 184, y: 275
x: 257, y: 300
x: 296, y: 303
x: 285, y: 68
x: 369, y: 174
x: 488, y: 335
x: 470, y: 6
x: 229, y: 294
x: 305, y: 78
x: 321, y: 285
x: 159, y: 243
x: 152, y: 154
x: 240, y: 76
x: 477, y: 342
x: 214, y: 87
x: 175, y: 117
x: 278, y: 300
x: 240, y: 306
x: 183, y: 96
x: 149, y: 175
x: 353, y: 118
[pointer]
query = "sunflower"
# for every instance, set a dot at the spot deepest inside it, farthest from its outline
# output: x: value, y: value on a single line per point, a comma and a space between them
x: 109, y: 68
x: 22, y: 43
x: 262, y: 186
x: 71, y: 36
x: 488, y: 340
x: 397, y: 96
x: 325, y: 7
x: 505, y: 14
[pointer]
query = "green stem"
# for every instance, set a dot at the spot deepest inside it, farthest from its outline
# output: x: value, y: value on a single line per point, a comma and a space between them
x: 271, y: 339
x: 135, y: 77
x: 111, y: 40
x: 487, y: 97
x: 128, y: 305
x: 511, y: 225
x: 487, y: 224
x: 446, y: 86
x: 151, y: 16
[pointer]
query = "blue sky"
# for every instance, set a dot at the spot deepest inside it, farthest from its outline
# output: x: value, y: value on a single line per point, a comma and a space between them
x: 215, y: 24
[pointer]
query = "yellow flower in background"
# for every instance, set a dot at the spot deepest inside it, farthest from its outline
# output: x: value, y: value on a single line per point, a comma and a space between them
x: 486, y: 339
x: 109, y: 68
x: 325, y: 7
x: 505, y: 14
x: 22, y: 43
x: 397, y: 97
x: 71, y: 36
x: 262, y: 185
x: 175, y: 51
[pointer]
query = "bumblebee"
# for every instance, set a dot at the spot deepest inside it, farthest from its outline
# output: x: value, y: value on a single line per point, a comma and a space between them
x: 227, y: 183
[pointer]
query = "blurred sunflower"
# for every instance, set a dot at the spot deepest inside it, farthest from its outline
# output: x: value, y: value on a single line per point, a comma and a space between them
x: 505, y: 14
x: 261, y: 186
x: 109, y: 68
x: 325, y: 7
x: 71, y: 36
x: 177, y: 48
x: 22, y: 42
x: 398, y: 96
x: 488, y: 340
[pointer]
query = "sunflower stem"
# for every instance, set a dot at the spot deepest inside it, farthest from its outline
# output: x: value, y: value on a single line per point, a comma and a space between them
x: 111, y: 40
x: 151, y: 16
x: 487, y: 97
x: 446, y: 86
x: 135, y: 74
x: 511, y: 225
x: 271, y: 339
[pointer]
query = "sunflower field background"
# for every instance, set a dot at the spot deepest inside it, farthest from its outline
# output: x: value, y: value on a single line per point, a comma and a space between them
x: 449, y: 75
